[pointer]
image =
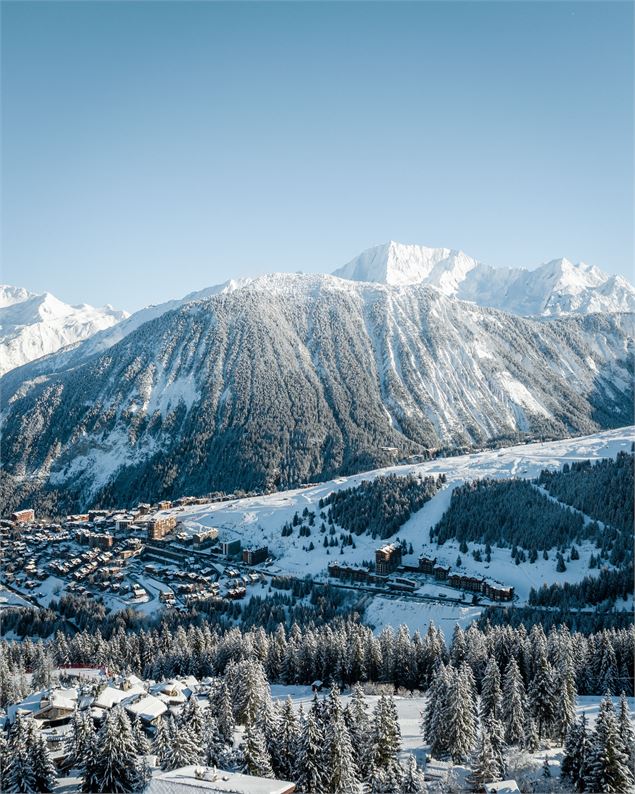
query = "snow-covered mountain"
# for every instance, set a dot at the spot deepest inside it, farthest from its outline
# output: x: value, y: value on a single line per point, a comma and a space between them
x: 288, y: 378
x: 32, y: 325
x: 555, y: 288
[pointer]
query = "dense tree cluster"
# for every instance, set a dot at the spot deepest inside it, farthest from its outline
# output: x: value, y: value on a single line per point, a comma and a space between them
x: 380, y: 506
x: 603, y: 589
x: 510, y: 513
x: 602, y: 490
x: 345, y: 652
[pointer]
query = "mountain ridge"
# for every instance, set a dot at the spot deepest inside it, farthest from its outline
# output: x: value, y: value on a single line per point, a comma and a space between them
x: 291, y: 378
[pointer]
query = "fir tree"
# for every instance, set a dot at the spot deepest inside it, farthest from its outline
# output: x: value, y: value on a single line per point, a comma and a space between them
x: 576, y: 751
x: 287, y: 741
x: 459, y: 717
x: 607, y: 768
x: 513, y: 704
x: 44, y: 771
x: 114, y: 767
x: 358, y: 725
x: 257, y: 758
x: 387, y: 742
x: 20, y: 775
x: 413, y: 781
x: 183, y: 750
x: 485, y: 766
x: 626, y: 730
x: 309, y: 772
x: 340, y: 763
x: 491, y: 690
x: 542, y: 697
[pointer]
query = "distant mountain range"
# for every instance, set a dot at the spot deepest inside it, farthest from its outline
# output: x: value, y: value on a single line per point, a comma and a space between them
x: 555, y: 288
x: 284, y: 379
x: 32, y: 325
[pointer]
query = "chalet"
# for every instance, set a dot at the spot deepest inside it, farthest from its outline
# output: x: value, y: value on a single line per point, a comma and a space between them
x: 498, y: 592
x: 388, y: 558
x: 23, y: 516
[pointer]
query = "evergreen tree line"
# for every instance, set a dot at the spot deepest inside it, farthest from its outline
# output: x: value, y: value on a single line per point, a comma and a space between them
x: 346, y: 653
x: 380, y: 506
x: 589, y: 622
x: 461, y: 726
x: 508, y: 513
x: 603, y: 589
x: 602, y: 490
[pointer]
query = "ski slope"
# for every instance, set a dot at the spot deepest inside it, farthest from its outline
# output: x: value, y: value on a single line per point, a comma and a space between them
x: 258, y: 520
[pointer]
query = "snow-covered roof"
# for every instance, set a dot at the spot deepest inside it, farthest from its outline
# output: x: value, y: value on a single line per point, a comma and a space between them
x: 502, y: 787
x: 111, y: 695
x: 148, y: 707
x: 190, y: 779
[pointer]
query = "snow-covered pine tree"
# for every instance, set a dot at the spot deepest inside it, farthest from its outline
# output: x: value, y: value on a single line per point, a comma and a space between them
x: 496, y: 733
x: 458, y: 717
x: 257, y: 759
x: 546, y: 768
x: 268, y: 721
x: 224, y: 713
x: 387, y: 742
x: 413, y: 781
x: 513, y: 704
x: 310, y: 774
x: 565, y: 686
x: 491, y: 695
x: 576, y: 751
x: 20, y: 775
x: 161, y: 744
x: 626, y: 729
x: 287, y: 741
x: 44, y: 772
x: 192, y: 716
x: 4, y: 760
x: 358, y: 724
x: 542, y: 697
x: 183, y: 750
x: 114, y: 766
x: 530, y: 739
x: 608, y: 767
x: 340, y: 762
x: 140, y: 738
x: 485, y: 765
x: 433, y: 721
x: 213, y: 745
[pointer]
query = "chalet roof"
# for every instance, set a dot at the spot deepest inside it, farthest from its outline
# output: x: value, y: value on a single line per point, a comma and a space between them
x: 192, y: 779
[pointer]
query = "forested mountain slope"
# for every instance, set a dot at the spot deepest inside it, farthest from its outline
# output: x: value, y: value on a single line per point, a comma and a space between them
x: 291, y: 378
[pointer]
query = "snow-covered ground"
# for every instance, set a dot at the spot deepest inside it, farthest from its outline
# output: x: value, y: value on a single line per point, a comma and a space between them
x: 259, y: 520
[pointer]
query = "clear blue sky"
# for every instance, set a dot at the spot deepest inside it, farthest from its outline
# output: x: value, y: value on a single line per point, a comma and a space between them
x: 150, y: 149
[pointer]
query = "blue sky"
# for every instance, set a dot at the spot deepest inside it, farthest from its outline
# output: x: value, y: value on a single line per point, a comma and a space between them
x: 150, y: 149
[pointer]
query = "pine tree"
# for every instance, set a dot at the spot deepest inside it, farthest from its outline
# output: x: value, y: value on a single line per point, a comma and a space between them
x: 20, y: 775
x: 433, y: 722
x: 530, y: 733
x: 4, y: 761
x: 287, y: 741
x: 485, y: 766
x: 576, y: 751
x: 459, y: 719
x: 192, y: 716
x: 565, y: 715
x: 44, y: 771
x: 358, y: 724
x: 257, y: 756
x: 161, y: 744
x: 513, y: 705
x: 607, y: 769
x: 183, y: 750
x: 413, y: 781
x: 542, y: 697
x: 212, y: 742
x: 546, y: 769
x: 340, y: 763
x: 116, y: 767
x: 626, y: 730
x: 491, y: 690
x: 387, y: 742
x: 310, y: 774
x: 224, y: 713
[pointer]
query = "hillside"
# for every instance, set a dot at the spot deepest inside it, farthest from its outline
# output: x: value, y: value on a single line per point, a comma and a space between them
x: 292, y: 378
